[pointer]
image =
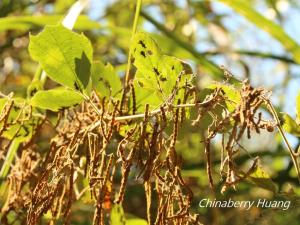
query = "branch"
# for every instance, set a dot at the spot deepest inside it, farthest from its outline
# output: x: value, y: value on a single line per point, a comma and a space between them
x: 252, y: 53
x: 151, y: 113
x: 293, y: 154
x: 134, y: 28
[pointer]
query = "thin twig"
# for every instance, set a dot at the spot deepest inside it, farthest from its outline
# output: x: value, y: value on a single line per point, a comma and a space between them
x: 87, y: 98
x: 264, y: 55
x: 292, y: 153
x: 134, y: 28
x: 151, y: 113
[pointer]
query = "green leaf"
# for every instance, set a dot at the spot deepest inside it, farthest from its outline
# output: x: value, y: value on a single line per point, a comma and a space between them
x: 3, y: 101
x: 29, y: 22
x: 64, y: 55
x: 136, y: 221
x: 56, y: 99
x: 244, y: 8
x: 232, y: 94
x: 262, y: 179
x: 106, y: 81
x: 158, y: 75
x: 117, y: 216
x: 36, y: 85
x: 290, y: 125
x: 20, y: 132
x: 13, y: 148
x: 145, y: 96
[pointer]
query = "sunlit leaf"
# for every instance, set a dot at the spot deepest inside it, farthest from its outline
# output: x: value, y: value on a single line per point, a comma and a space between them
x: 106, y: 81
x: 262, y: 179
x: 36, y: 85
x: 9, y: 158
x: 290, y: 125
x: 117, y: 216
x: 64, y: 55
x: 56, y: 99
x: 20, y: 132
x: 3, y: 101
x: 136, y: 221
x: 145, y: 96
x: 159, y: 75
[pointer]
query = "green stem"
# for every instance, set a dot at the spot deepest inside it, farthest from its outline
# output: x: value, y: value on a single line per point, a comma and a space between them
x: 134, y: 28
x: 151, y: 113
x: 9, y: 158
x: 136, y: 16
x: 38, y: 73
x: 12, y: 151
x: 293, y: 156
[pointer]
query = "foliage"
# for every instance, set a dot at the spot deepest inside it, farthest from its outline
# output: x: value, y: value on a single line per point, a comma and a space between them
x: 60, y: 51
x: 96, y: 140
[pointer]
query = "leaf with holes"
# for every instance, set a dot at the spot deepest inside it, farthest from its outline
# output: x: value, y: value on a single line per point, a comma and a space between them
x: 64, y: 55
x: 158, y: 76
